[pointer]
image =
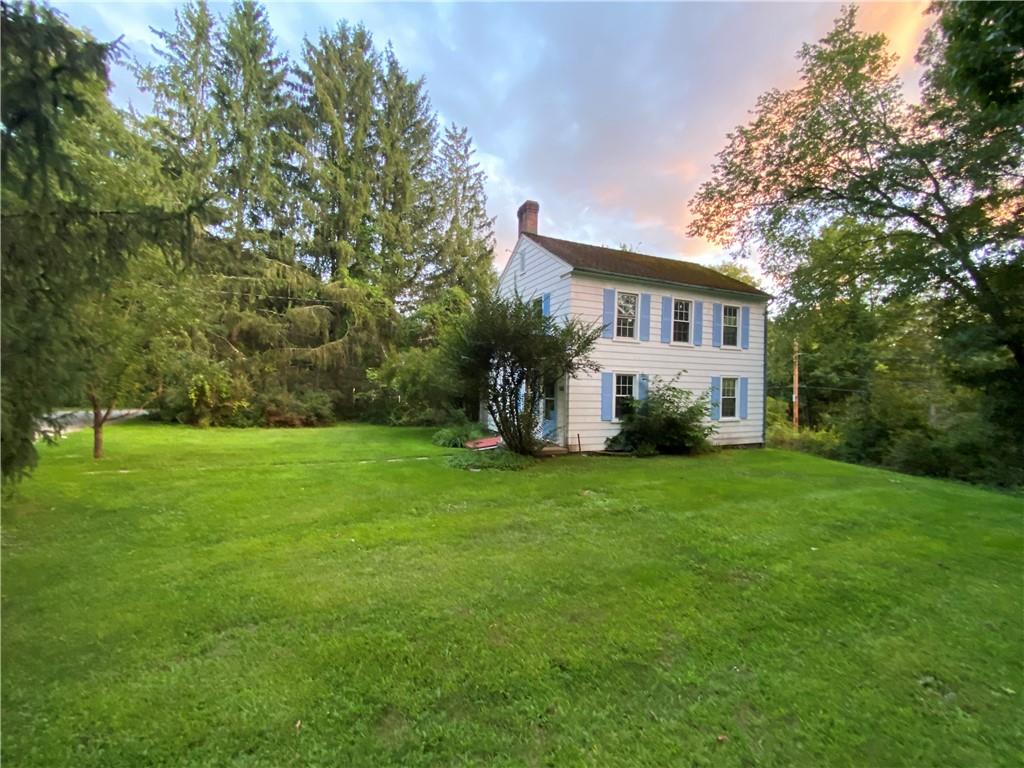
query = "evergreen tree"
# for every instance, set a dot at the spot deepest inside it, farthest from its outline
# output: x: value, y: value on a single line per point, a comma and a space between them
x: 184, y: 124
x: 337, y: 91
x: 252, y: 97
x: 81, y: 196
x: 405, y: 132
x: 463, y: 243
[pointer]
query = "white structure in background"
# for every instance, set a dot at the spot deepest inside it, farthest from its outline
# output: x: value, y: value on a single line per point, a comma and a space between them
x: 663, y: 319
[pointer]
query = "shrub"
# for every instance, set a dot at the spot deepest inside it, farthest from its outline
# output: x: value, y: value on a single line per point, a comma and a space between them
x: 970, y: 451
x: 205, y: 397
x: 820, y: 442
x: 285, y: 409
x: 456, y: 435
x: 668, y: 420
x: 411, y: 387
x: 507, y: 348
x: 498, y: 459
x: 778, y: 411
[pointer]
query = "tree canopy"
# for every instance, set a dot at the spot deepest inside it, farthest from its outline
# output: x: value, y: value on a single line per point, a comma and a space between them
x: 893, y: 229
x: 944, y: 189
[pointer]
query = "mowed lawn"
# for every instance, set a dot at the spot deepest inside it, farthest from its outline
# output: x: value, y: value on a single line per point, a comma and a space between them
x: 341, y: 597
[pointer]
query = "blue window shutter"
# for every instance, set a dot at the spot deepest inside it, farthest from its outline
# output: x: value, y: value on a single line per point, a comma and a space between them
x: 609, y: 313
x: 716, y: 325
x: 745, y: 328
x: 666, y: 319
x: 716, y: 397
x: 641, y: 389
x: 698, y: 323
x: 607, y: 385
x: 546, y: 305
x: 645, y: 317
x: 743, y: 397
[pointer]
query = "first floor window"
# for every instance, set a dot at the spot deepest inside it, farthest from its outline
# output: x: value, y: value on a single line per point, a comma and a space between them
x: 549, y: 400
x: 681, y: 320
x: 730, y: 326
x: 625, y: 315
x: 625, y: 392
x: 728, y: 398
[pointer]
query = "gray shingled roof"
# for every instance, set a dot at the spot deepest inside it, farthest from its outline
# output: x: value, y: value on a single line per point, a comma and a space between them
x: 594, y: 258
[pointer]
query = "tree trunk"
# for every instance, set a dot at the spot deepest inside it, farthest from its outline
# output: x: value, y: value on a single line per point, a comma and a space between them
x: 99, y: 418
x: 97, y: 434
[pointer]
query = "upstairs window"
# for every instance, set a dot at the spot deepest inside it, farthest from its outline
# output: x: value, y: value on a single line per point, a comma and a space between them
x: 728, y: 399
x: 730, y: 326
x: 625, y: 315
x: 625, y: 393
x: 681, y: 320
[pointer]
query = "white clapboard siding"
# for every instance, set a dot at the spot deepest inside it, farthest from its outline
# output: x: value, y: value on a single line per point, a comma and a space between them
x: 691, y: 366
x: 531, y: 272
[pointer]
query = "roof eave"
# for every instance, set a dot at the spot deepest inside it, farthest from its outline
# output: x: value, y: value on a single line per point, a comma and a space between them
x: 755, y: 293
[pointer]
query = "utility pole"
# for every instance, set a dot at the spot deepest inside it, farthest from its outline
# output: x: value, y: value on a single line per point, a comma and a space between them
x: 796, y: 384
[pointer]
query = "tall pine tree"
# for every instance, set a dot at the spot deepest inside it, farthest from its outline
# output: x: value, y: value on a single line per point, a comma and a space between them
x: 184, y: 124
x: 403, y: 210
x: 463, y: 242
x: 252, y: 97
x: 337, y: 87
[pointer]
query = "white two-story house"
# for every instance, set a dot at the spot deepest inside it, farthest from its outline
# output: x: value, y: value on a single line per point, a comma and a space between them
x: 663, y: 320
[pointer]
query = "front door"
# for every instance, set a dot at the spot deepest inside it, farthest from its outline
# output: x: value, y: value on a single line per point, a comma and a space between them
x: 549, y: 418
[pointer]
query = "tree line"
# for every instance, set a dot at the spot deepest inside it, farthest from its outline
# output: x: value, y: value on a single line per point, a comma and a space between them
x: 264, y: 246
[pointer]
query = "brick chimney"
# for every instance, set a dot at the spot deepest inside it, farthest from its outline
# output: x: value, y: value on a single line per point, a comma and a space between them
x: 528, y: 216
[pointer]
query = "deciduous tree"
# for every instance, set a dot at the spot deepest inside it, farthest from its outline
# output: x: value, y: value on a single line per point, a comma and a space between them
x: 844, y: 143
x: 506, y: 349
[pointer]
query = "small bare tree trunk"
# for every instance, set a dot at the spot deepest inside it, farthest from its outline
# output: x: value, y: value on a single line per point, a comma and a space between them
x: 97, y: 435
x: 99, y: 418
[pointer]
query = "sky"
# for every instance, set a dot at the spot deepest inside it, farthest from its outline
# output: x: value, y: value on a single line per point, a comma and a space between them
x: 608, y: 114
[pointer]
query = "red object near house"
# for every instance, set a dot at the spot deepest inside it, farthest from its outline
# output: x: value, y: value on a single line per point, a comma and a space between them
x: 483, y: 443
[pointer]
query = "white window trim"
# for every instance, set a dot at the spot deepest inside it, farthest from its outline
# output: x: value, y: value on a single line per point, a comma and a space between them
x: 739, y: 323
x: 672, y: 322
x: 723, y: 377
x: 636, y: 386
x: 635, y: 338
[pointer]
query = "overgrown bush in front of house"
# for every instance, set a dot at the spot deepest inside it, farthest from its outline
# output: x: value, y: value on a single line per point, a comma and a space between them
x: 669, y: 420
x: 506, y: 348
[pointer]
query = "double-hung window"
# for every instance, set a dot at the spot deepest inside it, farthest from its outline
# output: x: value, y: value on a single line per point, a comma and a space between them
x: 728, y: 398
x: 681, y: 309
x: 549, y: 399
x: 730, y: 326
x: 625, y: 315
x: 625, y: 392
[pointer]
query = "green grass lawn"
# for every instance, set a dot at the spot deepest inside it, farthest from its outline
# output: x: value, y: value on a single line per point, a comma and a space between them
x: 342, y: 597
